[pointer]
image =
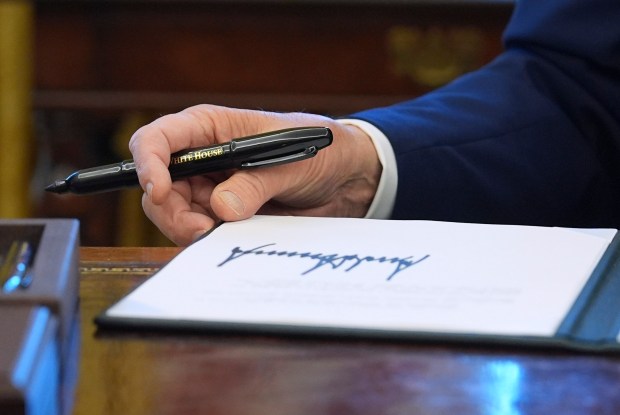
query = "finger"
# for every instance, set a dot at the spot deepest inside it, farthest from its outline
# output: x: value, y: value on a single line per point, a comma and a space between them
x: 181, y: 220
x: 243, y: 194
x: 201, y: 190
x: 152, y: 145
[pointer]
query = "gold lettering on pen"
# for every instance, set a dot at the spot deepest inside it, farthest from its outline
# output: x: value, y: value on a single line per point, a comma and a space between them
x: 197, y: 155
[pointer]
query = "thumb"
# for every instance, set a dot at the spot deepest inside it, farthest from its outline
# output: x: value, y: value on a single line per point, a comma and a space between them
x: 243, y: 194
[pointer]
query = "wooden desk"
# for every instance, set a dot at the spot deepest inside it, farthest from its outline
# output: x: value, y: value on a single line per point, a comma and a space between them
x: 151, y: 373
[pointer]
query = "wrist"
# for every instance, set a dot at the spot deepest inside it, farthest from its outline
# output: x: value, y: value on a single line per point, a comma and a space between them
x: 362, y: 179
x: 385, y: 196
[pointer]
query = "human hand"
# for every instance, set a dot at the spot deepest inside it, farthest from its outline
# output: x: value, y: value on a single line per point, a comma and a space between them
x: 340, y: 181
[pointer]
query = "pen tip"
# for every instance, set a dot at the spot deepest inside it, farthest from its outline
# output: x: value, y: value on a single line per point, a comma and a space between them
x: 59, y: 186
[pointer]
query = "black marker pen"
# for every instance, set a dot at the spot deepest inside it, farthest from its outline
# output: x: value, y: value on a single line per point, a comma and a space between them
x: 262, y: 150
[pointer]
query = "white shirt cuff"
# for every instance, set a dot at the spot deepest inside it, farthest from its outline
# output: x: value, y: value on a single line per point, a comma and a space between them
x: 383, y: 202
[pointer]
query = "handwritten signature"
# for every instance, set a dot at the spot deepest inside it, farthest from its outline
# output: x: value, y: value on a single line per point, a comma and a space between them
x: 348, y: 262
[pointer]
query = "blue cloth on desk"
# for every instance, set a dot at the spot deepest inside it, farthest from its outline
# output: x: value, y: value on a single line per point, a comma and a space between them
x: 531, y: 138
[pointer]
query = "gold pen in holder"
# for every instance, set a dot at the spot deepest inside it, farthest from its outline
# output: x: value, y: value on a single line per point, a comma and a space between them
x: 14, y: 270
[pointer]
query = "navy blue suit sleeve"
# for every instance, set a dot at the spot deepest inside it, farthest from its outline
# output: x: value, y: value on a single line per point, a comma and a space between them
x: 531, y: 138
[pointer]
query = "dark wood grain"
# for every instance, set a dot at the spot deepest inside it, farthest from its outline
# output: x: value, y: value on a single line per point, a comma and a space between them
x: 125, y: 372
x: 104, y: 68
x: 280, y: 55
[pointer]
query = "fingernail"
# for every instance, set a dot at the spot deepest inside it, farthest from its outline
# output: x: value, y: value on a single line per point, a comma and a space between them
x: 232, y: 201
x: 198, y: 235
x: 149, y: 189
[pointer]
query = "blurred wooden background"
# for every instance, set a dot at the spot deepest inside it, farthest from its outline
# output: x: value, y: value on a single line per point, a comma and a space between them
x: 78, y: 77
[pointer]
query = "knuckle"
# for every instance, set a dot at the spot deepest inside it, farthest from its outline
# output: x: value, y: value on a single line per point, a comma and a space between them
x: 253, y: 184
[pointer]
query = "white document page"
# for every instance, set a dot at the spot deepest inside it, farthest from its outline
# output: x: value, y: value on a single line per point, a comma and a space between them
x: 374, y: 274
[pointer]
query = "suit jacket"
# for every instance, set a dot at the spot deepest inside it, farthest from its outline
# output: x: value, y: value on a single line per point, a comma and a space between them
x: 531, y: 138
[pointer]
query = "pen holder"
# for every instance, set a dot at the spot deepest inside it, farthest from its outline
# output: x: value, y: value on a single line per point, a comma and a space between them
x: 39, y: 325
x: 31, y: 377
x: 53, y: 268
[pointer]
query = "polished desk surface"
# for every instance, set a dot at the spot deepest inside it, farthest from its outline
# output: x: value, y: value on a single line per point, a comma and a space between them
x: 123, y: 372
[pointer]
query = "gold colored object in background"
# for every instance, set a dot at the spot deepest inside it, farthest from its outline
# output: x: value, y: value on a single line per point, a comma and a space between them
x: 16, y: 155
x: 434, y: 56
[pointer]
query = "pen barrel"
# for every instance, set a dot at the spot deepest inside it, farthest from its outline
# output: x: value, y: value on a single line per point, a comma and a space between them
x: 261, y: 150
x: 104, y: 178
x: 279, y: 144
x: 265, y: 149
x: 197, y: 161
